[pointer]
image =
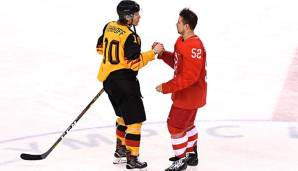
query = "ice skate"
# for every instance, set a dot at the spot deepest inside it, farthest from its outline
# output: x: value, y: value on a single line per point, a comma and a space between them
x: 177, y: 165
x: 133, y: 163
x: 192, y: 159
x: 174, y: 158
x: 120, y: 155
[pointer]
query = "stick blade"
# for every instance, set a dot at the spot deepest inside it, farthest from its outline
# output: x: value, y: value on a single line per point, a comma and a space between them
x: 31, y: 157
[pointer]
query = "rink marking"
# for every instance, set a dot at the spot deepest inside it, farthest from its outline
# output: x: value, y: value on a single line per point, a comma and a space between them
x: 109, y: 126
x: 287, y: 105
x: 9, y: 162
x: 227, y: 129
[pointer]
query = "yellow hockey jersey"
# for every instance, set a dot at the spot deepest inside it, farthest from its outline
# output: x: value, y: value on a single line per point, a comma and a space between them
x: 121, y: 49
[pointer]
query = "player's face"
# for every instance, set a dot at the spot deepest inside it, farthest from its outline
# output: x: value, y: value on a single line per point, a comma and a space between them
x: 180, y: 25
x: 136, y: 18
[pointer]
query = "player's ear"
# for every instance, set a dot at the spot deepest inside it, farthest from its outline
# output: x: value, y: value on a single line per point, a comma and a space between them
x: 187, y: 26
x: 128, y: 17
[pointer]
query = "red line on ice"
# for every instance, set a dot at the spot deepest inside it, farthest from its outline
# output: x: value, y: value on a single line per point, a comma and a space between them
x: 287, y: 105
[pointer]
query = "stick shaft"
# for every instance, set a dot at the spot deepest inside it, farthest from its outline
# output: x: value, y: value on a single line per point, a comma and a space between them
x: 44, y: 155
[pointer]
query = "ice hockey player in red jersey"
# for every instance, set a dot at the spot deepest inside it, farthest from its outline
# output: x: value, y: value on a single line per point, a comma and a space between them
x: 188, y: 88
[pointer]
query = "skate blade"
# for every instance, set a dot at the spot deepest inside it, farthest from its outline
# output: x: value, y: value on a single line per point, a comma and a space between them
x: 119, y: 160
x: 137, y: 169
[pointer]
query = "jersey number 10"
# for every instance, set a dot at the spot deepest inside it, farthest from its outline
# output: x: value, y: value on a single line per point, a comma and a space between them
x: 111, y: 51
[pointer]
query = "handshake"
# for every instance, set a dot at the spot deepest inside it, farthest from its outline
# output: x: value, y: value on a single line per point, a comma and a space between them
x: 158, y: 48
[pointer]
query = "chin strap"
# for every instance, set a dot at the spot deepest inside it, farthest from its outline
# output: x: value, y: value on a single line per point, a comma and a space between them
x: 134, y: 28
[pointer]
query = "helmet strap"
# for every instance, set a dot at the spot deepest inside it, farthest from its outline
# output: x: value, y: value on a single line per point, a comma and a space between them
x: 134, y: 28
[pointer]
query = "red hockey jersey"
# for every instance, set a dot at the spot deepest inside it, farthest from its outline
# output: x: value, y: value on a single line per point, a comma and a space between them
x: 189, y: 86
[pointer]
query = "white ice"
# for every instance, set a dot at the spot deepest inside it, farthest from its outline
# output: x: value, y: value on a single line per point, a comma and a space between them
x: 48, y: 68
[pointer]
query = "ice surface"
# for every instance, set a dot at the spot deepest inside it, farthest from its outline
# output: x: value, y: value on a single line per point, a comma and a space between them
x: 48, y: 68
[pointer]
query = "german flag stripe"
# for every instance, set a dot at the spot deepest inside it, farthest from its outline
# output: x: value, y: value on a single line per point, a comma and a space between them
x: 121, y: 128
x: 120, y: 133
x: 134, y: 137
x: 132, y: 143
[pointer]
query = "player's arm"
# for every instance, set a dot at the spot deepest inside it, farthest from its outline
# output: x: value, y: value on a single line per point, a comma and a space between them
x: 132, y: 52
x: 99, y: 45
x: 168, y: 58
x: 192, y: 64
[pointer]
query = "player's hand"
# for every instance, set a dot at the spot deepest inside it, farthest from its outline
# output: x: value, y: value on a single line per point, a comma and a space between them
x: 154, y: 44
x: 158, y: 48
x: 159, y: 88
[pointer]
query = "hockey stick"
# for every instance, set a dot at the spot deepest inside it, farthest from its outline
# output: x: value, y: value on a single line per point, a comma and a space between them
x: 25, y: 156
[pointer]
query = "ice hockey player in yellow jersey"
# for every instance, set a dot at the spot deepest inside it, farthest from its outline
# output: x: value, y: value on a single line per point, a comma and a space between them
x: 120, y: 47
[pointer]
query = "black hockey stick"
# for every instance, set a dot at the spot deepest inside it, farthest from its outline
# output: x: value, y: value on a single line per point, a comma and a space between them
x: 25, y: 156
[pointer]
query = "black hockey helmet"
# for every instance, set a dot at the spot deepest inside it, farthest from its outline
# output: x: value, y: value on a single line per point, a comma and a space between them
x: 127, y: 7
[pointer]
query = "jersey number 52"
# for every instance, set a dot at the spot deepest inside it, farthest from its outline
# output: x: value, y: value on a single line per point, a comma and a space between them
x: 196, y: 53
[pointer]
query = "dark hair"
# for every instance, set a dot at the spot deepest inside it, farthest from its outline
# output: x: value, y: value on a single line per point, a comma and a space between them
x: 189, y: 17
